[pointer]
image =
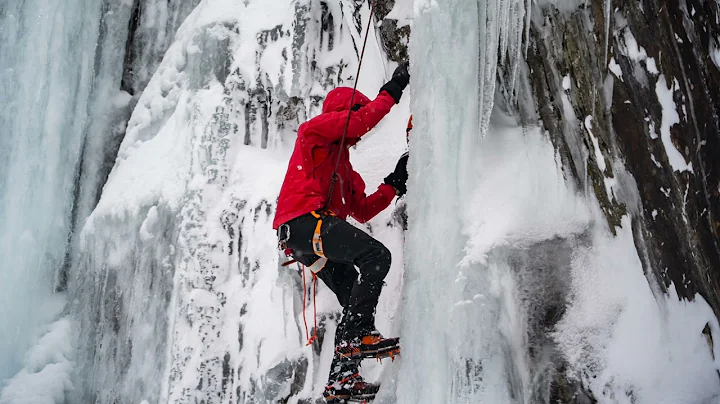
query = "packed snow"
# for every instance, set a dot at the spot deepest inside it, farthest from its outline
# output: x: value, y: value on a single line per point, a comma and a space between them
x: 47, y: 369
x: 615, y: 68
x: 670, y: 117
x: 630, y: 344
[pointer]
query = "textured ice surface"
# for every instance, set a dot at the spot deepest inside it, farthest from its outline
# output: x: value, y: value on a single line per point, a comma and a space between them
x: 177, y: 295
x: 45, y: 83
x: 63, y: 114
x: 47, y: 369
x: 500, y: 248
x: 179, y: 259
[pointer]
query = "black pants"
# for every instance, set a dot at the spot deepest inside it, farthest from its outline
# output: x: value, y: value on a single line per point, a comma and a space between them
x: 345, y: 247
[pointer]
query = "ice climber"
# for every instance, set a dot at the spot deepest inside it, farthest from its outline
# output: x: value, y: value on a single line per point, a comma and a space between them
x: 312, y: 228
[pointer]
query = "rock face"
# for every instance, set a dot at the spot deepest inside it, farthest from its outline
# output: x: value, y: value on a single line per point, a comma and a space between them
x: 393, y: 33
x: 644, y: 77
x: 629, y: 94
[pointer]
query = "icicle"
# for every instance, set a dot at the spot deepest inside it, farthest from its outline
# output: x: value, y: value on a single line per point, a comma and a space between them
x: 501, y: 27
x: 608, y: 7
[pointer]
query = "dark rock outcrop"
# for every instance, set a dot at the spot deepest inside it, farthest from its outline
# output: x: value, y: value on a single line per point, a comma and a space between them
x: 394, y: 35
x: 654, y: 47
x: 677, y: 212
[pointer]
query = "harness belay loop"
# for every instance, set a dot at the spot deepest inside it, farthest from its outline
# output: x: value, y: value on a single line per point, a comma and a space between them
x: 317, y: 244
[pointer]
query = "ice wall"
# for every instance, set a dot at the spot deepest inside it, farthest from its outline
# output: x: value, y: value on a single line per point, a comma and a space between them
x: 527, y: 278
x: 132, y: 40
x: 523, y: 283
x: 45, y: 81
x: 180, y: 296
x: 445, y: 321
x: 63, y: 114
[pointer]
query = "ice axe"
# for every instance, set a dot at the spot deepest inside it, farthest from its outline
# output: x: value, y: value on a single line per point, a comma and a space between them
x: 408, y: 129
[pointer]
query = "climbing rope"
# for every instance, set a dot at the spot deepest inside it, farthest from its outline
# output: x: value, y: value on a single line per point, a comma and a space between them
x: 334, y: 177
x: 310, y: 339
x: 352, y: 99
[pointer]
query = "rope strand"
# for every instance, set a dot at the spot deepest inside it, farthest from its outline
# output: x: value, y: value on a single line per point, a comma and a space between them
x: 314, y: 337
x: 352, y: 99
x: 307, y: 334
x: 310, y: 339
x: 332, y: 184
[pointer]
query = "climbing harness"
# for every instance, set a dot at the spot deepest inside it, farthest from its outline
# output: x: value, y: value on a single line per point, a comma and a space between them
x: 317, y: 239
x: 317, y: 266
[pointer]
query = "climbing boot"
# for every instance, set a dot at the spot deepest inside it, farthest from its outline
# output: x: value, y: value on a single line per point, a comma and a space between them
x: 350, y: 389
x: 372, y: 345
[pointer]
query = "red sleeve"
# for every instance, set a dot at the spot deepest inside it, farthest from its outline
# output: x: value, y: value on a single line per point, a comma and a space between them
x: 332, y: 124
x: 364, y: 208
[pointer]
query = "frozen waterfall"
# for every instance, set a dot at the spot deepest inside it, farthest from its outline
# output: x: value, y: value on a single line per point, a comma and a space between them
x: 67, y: 87
x: 143, y: 147
x: 46, y: 80
x: 513, y: 278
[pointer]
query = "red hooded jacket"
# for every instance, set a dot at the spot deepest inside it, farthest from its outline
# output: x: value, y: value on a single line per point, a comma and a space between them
x: 307, y: 181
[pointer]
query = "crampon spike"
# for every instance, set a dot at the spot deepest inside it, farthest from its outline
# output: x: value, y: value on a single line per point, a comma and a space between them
x: 388, y: 354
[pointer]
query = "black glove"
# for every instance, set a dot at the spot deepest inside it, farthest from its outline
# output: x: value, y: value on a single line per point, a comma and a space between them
x: 398, y: 178
x: 399, y: 81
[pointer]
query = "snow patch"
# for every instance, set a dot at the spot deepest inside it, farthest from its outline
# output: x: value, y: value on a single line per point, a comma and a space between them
x: 615, y: 68
x: 636, y: 53
x: 402, y: 11
x: 651, y: 130
x: 715, y: 52
x: 651, y: 66
x: 632, y: 346
x: 632, y: 50
x: 654, y: 160
x: 670, y: 117
x: 48, y: 370
x: 599, y: 158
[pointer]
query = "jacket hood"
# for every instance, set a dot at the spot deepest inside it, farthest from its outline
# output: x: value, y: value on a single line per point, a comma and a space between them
x: 339, y: 99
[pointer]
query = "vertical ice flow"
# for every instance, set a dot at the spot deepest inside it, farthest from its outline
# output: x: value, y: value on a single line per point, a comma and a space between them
x: 500, y: 27
x: 66, y: 90
x: 452, y: 103
x: 46, y: 50
x: 499, y: 244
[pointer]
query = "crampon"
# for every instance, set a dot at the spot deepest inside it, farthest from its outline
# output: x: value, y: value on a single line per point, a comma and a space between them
x: 370, y: 346
x: 352, y: 389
